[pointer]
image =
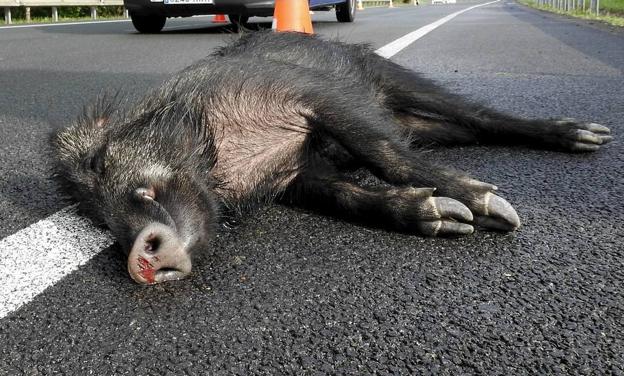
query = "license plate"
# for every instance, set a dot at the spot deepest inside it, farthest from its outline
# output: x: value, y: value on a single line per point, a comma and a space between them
x: 189, y: 1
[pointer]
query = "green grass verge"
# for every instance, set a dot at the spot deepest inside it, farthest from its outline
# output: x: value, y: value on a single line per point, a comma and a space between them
x: 612, y: 15
x: 66, y: 14
x: 613, y: 6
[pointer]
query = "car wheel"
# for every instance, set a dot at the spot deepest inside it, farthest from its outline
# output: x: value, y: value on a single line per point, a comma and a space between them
x: 238, y: 19
x: 148, y: 23
x: 345, y: 12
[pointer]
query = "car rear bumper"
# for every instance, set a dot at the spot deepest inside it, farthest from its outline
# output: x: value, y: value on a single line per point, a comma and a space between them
x: 244, y: 7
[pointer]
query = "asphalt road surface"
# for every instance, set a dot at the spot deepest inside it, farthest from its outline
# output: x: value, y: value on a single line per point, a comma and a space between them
x: 289, y: 292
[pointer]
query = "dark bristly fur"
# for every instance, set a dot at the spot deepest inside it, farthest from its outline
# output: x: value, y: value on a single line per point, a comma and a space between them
x: 285, y: 116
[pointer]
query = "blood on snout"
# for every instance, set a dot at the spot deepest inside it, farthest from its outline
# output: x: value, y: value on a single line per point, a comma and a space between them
x: 146, y: 271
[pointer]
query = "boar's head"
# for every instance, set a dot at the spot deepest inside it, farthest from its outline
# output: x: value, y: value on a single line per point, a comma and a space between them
x: 145, y: 175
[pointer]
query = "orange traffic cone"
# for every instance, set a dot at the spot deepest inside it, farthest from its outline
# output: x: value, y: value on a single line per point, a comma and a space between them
x: 219, y: 18
x: 292, y: 15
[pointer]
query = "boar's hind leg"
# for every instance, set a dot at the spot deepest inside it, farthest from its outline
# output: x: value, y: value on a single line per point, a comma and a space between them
x: 430, y: 114
x: 403, y: 209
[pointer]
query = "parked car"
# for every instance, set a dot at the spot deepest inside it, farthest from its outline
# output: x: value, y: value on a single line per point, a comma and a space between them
x: 149, y: 16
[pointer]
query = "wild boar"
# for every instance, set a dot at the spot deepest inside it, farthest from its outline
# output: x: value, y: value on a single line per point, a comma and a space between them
x: 286, y: 116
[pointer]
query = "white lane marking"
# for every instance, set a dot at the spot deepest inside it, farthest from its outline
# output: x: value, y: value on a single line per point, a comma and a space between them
x: 62, y: 24
x: 394, y: 47
x: 40, y: 255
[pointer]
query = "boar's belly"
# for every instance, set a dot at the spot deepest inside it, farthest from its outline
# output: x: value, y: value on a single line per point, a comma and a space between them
x: 254, y: 161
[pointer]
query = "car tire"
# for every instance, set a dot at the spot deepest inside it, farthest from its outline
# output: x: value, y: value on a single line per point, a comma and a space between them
x: 148, y: 24
x: 345, y: 12
x: 238, y: 19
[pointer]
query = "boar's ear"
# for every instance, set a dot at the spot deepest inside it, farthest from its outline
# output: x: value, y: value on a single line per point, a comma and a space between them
x: 73, y: 144
x: 98, y: 114
x: 100, y: 122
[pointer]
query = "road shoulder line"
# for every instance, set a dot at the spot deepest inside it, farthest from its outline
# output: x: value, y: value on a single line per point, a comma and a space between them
x: 397, y: 45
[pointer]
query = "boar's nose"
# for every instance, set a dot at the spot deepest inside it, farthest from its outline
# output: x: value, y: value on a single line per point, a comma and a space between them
x: 158, y: 255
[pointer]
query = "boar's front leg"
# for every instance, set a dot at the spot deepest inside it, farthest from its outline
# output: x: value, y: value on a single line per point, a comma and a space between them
x: 400, y: 166
x: 375, y: 141
x: 397, y: 208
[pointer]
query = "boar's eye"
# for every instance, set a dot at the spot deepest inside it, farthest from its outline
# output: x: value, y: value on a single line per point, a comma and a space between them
x: 146, y: 194
x: 94, y: 163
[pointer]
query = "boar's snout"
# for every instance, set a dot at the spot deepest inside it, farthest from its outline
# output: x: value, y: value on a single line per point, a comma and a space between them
x: 158, y: 255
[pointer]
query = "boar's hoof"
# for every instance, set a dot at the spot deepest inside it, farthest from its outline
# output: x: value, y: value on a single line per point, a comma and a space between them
x: 158, y: 255
x: 450, y: 214
x: 584, y: 137
x: 498, y: 214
